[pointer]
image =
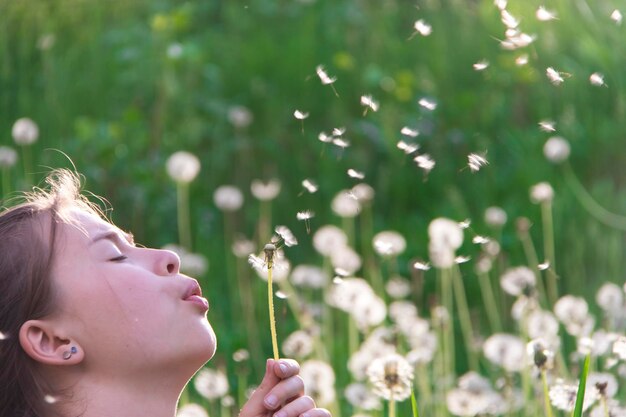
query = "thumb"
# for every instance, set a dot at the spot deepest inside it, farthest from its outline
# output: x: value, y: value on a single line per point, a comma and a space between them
x: 269, y: 381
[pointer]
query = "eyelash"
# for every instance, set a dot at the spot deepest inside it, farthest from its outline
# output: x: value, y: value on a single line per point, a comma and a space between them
x: 119, y: 258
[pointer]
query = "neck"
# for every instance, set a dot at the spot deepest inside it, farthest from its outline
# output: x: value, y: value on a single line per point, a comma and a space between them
x: 154, y: 397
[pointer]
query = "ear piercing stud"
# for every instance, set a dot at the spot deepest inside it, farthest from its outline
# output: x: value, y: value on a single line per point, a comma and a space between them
x: 68, y: 353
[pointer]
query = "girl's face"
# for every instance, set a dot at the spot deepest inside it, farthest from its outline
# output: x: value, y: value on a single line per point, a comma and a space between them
x: 127, y: 307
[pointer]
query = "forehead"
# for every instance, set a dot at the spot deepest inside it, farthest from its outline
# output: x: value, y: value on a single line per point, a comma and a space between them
x: 82, y: 225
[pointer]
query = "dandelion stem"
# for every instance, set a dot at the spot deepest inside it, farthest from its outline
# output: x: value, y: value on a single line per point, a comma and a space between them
x: 533, y: 261
x: 465, y: 318
x: 353, y: 335
x: 548, y: 243
x: 605, y: 406
x: 490, y: 302
x: 546, y: 395
x: 392, y: 408
x: 423, y: 386
x: 448, y: 331
x: 182, y: 202
x: 270, y: 300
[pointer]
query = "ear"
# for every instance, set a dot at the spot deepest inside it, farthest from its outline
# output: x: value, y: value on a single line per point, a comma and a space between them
x: 44, y: 343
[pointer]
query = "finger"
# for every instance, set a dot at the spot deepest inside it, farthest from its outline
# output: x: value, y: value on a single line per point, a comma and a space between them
x: 285, y: 390
x: 316, y: 412
x: 296, y: 407
x: 285, y: 368
x: 269, y: 381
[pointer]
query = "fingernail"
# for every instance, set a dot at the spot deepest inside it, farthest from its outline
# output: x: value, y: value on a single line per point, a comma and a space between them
x: 304, y: 415
x: 271, y: 401
x: 283, y: 368
x: 281, y: 413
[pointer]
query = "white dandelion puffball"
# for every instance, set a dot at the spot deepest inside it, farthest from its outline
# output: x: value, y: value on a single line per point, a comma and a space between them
x: 228, y: 198
x: 391, y: 377
x: 389, y: 243
x: 327, y: 239
x: 556, y: 149
x: 541, y: 193
x: 25, y: 131
x: 345, y: 205
x: 309, y: 276
x: 514, y: 281
x: 360, y: 396
x: 182, y: 166
x: 506, y: 350
x: 8, y: 157
x: 192, y: 410
x: 610, y: 298
x: 265, y: 191
x: 495, y: 216
x: 319, y: 381
x: 445, y: 232
x: 346, y: 259
x: 240, y: 116
x: 298, y: 344
x: 363, y: 192
x: 211, y: 383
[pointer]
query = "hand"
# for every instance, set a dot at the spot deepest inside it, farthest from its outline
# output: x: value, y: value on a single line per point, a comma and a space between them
x: 281, y: 394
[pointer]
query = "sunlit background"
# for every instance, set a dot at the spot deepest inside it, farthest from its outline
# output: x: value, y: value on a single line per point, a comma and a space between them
x: 372, y: 116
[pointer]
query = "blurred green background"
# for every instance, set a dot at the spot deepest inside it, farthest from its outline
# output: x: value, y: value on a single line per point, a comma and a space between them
x: 119, y: 86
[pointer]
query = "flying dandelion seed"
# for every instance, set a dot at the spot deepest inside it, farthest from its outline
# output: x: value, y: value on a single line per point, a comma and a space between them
x: 408, y: 148
x: 616, y: 16
x: 554, y: 76
x: 544, y: 15
x: 339, y: 131
x: 341, y: 143
x: 352, y: 173
x: 281, y: 295
x: 480, y: 240
x: 300, y: 116
x: 543, y: 266
x: 476, y: 161
x: 521, y: 60
x: 369, y: 103
x: 324, y: 137
x: 500, y: 4
x: 422, y: 28
x: 310, y: 185
x: 462, y: 259
x: 547, y: 126
x: 465, y: 224
x: 286, y: 235
x: 421, y: 265
x: 508, y: 20
x: 428, y: 104
x: 596, y: 79
x: 481, y: 65
x: 3, y: 336
x: 516, y: 39
x: 425, y: 162
x: 407, y: 131
x: 306, y: 216
x: 325, y: 78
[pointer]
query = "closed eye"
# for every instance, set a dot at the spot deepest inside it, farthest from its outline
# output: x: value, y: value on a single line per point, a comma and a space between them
x: 119, y: 258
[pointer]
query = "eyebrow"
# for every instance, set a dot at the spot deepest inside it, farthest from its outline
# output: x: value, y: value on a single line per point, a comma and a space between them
x: 114, y: 235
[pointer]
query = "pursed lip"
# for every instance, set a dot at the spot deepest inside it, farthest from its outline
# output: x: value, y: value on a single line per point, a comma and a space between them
x: 194, y: 295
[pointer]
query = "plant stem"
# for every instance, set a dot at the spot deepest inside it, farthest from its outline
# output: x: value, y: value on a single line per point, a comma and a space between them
x: 270, y: 300
x: 465, y: 319
x: 548, y: 243
x: 490, y: 302
x: 392, y: 408
x: 546, y: 395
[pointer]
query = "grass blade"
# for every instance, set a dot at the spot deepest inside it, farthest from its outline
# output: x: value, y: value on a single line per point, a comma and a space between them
x: 414, y: 404
x: 580, y: 396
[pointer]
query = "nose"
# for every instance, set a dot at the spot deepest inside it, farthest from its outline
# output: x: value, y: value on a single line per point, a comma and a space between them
x: 167, y: 263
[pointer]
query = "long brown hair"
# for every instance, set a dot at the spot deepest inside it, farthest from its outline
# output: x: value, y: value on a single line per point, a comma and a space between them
x: 26, y: 290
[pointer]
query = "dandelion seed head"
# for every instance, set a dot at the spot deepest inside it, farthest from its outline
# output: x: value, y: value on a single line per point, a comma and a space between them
x: 353, y: 173
x: 495, y: 216
x: 300, y: 115
x: 363, y: 192
x: 422, y: 27
x: 408, y: 148
x: 563, y: 396
x: 391, y: 377
x: 344, y: 205
x: 505, y: 350
x: 604, y: 383
x: 25, y: 131
x: 183, y: 167
x: 407, y: 131
x: 476, y: 161
x: 428, y: 104
x: 547, y: 125
x: 389, y: 243
x: 211, y: 383
x: 8, y: 157
x: 610, y: 298
x: 541, y: 193
x: 616, y: 16
x: 596, y: 79
x: 241, y: 355
x: 619, y: 347
x: 309, y: 276
x: 481, y: 65
x: 298, y: 344
x: 544, y: 15
x: 425, y: 162
x: 310, y: 185
x: 398, y: 287
x: 240, y: 116
x: 359, y: 395
x: 556, y: 149
x: 242, y: 247
x: 518, y: 280
x: 541, y: 324
x: 368, y: 311
x: 265, y: 191
x: 228, y: 198
x: 445, y: 232
x: 319, y: 381
x: 554, y: 76
x: 370, y: 103
x: 346, y: 259
x: 573, y: 312
x: 540, y: 353
x: 328, y: 239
